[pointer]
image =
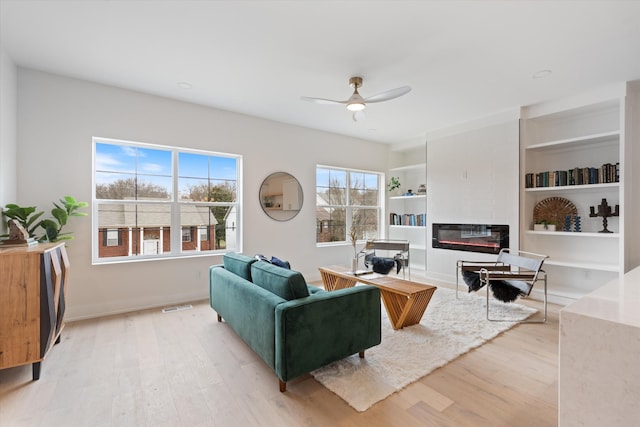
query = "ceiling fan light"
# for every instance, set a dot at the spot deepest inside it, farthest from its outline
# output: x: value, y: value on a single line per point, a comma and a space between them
x: 355, y: 106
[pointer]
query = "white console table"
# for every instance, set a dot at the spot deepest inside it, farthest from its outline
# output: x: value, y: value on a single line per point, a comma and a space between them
x: 599, y: 369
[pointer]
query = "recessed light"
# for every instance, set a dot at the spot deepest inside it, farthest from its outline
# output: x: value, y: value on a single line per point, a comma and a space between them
x: 541, y: 74
x: 184, y: 85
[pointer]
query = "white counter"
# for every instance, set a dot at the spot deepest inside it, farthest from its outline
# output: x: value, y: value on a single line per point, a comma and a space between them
x: 599, y: 367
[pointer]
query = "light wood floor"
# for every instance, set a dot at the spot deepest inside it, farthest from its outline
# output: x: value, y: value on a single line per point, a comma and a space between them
x: 186, y: 369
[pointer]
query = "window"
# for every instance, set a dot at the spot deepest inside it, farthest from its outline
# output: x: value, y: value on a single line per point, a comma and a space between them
x: 112, y: 237
x: 345, y: 198
x: 152, y: 201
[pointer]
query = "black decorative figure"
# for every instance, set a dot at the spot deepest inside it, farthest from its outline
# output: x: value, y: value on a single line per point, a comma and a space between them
x: 604, y: 210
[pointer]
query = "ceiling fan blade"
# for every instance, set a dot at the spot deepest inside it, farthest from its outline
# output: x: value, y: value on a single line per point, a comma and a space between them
x: 322, y: 100
x: 390, y: 94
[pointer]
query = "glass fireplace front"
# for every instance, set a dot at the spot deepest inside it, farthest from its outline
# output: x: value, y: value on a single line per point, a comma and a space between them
x: 485, y: 238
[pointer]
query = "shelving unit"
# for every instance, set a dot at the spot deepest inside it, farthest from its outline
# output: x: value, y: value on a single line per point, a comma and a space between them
x: 578, y: 137
x: 411, y: 176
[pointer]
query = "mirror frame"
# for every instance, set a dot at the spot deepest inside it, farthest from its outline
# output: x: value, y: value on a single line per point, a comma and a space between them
x: 278, y: 203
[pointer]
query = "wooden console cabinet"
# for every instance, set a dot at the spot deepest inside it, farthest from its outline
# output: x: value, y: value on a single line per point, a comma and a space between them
x: 33, y: 282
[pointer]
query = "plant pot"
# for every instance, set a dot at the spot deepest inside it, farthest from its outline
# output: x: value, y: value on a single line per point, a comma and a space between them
x: 544, y: 227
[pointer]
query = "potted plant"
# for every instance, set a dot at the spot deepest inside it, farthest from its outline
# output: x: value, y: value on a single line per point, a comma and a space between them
x: 544, y: 225
x: 51, y: 227
x: 394, y: 183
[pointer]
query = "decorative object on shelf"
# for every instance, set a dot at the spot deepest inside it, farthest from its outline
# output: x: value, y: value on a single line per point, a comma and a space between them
x: 604, y: 210
x: 409, y: 193
x: 544, y: 225
x: 576, y: 224
x: 422, y: 189
x: 394, y: 183
x: 553, y: 210
x: 18, y: 236
x: 567, y: 223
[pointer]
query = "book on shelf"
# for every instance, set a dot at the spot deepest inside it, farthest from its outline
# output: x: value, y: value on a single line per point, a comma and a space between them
x: 607, y: 173
x: 419, y: 220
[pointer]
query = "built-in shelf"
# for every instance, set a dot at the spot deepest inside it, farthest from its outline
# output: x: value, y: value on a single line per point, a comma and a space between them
x: 581, y: 141
x: 584, y: 265
x: 569, y: 188
x: 417, y: 166
x: 573, y: 234
x: 407, y: 226
x: 417, y: 197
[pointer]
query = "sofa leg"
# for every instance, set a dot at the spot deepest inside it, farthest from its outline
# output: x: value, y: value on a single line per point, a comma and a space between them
x: 219, y: 318
x: 283, y: 386
x: 361, y: 354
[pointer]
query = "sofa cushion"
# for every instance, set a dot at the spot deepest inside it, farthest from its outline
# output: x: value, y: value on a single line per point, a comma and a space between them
x: 238, y: 264
x: 287, y: 284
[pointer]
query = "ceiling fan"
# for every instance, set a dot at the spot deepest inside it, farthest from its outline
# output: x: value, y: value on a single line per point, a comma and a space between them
x: 357, y: 103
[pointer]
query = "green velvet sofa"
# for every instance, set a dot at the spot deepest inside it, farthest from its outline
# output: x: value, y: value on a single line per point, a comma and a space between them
x: 294, y: 327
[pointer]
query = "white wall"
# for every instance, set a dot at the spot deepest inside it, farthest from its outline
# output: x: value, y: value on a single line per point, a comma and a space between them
x: 472, y: 178
x: 58, y: 116
x: 8, y: 125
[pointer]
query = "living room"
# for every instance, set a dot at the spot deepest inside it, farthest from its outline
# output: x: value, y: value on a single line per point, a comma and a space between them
x: 49, y: 119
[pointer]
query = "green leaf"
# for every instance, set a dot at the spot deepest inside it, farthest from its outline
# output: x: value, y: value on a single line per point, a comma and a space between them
x: 61, y: 215
x: 33, y: 219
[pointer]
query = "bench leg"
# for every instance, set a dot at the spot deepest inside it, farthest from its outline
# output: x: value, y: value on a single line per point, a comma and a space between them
x: 283, y: 386
x: 219, y: 318
x: 361, y: 354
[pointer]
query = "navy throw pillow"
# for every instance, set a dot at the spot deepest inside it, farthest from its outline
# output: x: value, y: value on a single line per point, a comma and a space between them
x: 280, y: 263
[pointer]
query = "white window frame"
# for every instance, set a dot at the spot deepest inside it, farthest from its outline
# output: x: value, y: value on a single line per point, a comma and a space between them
x: 348, y: 207
x: 175, y: 203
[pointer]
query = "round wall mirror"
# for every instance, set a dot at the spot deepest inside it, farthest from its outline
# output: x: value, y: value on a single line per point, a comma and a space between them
x: 281, y: 196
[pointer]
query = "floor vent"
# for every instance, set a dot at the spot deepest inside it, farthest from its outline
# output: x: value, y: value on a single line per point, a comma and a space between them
x: 178, y: 308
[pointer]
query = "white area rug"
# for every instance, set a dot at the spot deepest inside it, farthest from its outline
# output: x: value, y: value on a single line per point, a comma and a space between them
x: 449, y: 328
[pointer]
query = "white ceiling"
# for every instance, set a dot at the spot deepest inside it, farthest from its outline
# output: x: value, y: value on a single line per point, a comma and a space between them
x: 464, y: 59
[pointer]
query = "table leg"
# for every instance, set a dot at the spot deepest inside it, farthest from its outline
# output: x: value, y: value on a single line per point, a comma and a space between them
x: 332, y: 282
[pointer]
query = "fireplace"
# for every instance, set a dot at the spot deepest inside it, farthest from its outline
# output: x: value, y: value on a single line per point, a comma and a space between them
x: 485, y: 238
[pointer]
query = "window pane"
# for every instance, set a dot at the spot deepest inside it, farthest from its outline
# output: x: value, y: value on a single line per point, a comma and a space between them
x: 366, y: 221
x: 331, y: 225
x: 125, y: 172
x: 370, y: 198
x: 192, y: 165
x: 193, y: 189
x: 153, y: 187
x: 115, y: 186
x: 207, y: 178
x: 322, y: 177
x: 144, y: 229
x: 115, y: 158
x: 154, y: 162
x: 198, y: 221
x: 226, y: 229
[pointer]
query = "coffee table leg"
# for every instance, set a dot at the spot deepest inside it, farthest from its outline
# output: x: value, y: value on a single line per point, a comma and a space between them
x: 405, y: 311
x: 332, y: 282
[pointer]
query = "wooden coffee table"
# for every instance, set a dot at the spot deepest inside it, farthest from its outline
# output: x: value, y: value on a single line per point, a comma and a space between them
x: 405, y: 301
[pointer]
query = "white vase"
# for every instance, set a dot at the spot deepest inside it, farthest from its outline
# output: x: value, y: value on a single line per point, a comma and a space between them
x: 543, y: 227
x: 354, y: 265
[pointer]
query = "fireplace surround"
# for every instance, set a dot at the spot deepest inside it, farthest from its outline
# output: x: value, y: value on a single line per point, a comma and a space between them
x: 484, y: 238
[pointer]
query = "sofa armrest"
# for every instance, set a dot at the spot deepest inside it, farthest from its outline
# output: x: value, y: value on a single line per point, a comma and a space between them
x: 325, y: 327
